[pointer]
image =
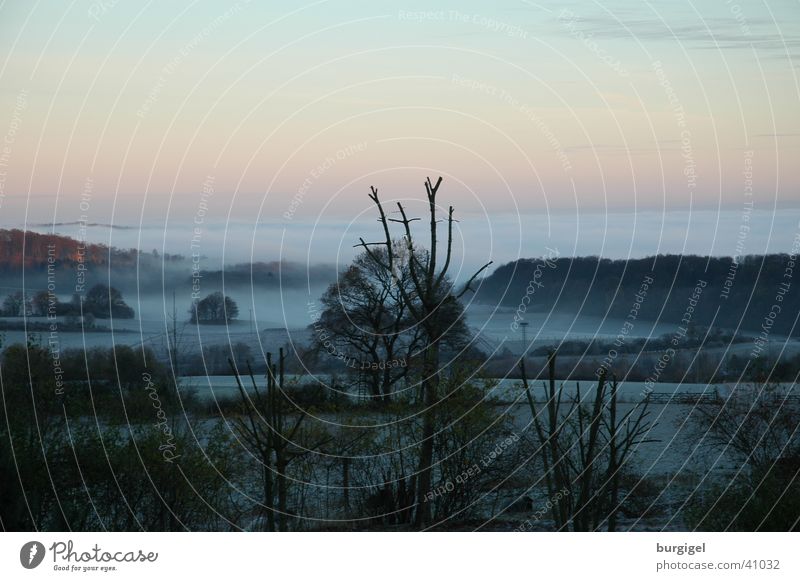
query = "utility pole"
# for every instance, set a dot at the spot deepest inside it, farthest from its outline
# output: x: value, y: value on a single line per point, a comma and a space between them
x: 174, y: 336
x: 524, y: 325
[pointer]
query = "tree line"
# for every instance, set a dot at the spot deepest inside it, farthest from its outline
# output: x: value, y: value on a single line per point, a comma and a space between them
x: 744, y: 290
x: 100, y: 302
x: 104, y: 302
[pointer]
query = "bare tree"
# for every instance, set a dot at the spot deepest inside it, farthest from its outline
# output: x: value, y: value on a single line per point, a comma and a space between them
x: 755, y: 430
x: 584, y: 449
x: 430, y: 301
x: 266, y: 425
x: 758, y: 425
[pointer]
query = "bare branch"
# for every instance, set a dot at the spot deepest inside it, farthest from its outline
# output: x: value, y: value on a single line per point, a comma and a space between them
x: 389, y: 248
x: 372, y: 255
x: 431, y: 188
x: 446, y: 266
x: 432, y: 209
x: 404, y: 221
x: 412, y: 255
x: 468, y: 286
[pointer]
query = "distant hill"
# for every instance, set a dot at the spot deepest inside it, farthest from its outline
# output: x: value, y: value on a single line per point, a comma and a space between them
x: 742, y: 294
x: 32, y: 250
x: 76, y: 266
x: 74, y: 262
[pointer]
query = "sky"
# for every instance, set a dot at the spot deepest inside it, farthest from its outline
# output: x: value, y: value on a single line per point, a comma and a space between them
x: 548, y: 120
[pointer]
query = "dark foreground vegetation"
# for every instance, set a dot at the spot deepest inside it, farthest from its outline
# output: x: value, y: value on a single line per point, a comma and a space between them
x: 412, y: 438
x: 121, y: 447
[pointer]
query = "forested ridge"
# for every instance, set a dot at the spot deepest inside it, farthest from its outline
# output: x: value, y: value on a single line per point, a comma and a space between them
x: 33, y: 251
x: 744, y: 291
x: 738, y: 293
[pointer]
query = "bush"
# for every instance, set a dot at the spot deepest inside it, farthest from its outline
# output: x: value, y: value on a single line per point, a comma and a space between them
x: 755, y: 501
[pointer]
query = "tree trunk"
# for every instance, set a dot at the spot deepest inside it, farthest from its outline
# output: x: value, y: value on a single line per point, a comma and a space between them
x: 387, y: 383
x: 430, y: 395
x: 346, y: 484
x: 281, y: 469
x: 269, y: 502
x: 612, y: 460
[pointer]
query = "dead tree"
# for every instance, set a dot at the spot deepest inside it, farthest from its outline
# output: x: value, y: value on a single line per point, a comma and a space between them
x: 429, y: 299
x: 584, y: 450
x: 264, y: 426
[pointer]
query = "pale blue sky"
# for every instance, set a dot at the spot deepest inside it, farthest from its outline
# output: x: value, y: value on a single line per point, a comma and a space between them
x: 520, y: 105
